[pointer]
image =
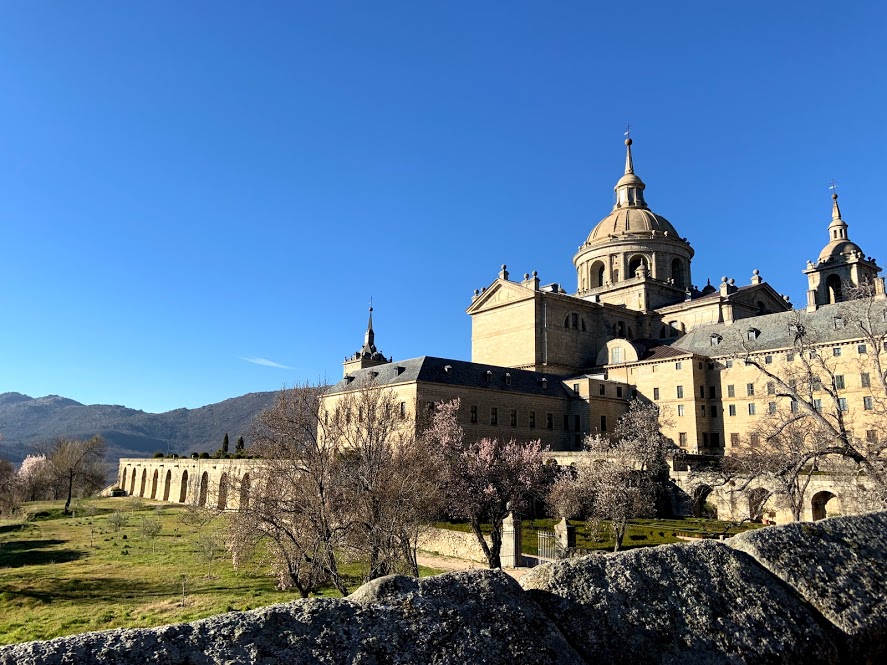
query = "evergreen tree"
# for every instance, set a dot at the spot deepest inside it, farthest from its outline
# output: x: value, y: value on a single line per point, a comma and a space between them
x: 240, y: 445
x: 225, y: 444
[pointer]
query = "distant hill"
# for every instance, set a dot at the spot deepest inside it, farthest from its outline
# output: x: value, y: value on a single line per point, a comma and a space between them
x: 26, y: 421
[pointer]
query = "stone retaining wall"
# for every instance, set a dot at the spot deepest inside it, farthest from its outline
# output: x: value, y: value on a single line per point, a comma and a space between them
x: 458, y: 544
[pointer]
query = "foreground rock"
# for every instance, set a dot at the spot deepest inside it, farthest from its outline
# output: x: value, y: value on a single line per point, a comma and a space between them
x: 464, y: 617
x: 802, y: 593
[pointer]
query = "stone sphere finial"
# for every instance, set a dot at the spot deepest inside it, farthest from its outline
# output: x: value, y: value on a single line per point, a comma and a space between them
x: 755, y: 272
x: 835, y: 196
x: 724, y: 279
x: 504, y: 267
x: 628, y: 141
x: 526, y: 275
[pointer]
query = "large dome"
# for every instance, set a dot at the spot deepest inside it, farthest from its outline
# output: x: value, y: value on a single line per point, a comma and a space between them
x: 838, y: 248
x: 630, y: 221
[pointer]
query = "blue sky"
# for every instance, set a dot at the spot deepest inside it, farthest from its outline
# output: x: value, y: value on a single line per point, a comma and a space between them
x: 187, y: 185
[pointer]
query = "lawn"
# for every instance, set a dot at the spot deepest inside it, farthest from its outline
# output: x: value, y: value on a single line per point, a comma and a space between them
x: 63, y: 575
x: 640, y: 532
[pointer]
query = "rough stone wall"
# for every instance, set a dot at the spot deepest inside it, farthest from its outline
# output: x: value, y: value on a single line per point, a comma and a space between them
x: 803, y: 593
x: 458, y: 544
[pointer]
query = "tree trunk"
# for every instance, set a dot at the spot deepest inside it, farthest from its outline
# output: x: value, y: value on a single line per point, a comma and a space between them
x: 70, y: 493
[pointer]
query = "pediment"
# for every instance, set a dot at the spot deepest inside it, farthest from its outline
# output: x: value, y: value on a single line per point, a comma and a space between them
x: 501, y: 292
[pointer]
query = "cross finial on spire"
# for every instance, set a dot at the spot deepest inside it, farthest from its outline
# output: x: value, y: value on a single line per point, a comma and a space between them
x: 627, y: 130
x: 371, y: 303
x: 629, y: 165
x: 836, y: 211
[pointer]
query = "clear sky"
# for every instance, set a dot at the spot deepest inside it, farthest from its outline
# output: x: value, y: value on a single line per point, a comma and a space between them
x: 193, y: 192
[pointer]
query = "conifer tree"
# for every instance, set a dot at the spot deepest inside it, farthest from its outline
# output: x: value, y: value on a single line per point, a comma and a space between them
x: 225, y: 444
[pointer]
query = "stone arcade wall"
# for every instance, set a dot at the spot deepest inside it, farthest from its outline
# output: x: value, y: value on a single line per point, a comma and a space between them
x: 801, y: 593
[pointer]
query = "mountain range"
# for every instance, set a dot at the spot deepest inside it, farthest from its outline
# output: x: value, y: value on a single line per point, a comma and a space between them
x: 27, y: 421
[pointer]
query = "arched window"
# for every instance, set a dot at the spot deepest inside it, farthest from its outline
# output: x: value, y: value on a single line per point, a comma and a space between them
x: 597, y: 274
x: 677, y: 273
x: 833, y: 284
x: 636, y: 263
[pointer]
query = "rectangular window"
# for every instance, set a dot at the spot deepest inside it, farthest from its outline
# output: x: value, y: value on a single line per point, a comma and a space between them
x: 618, y: 391
x: 794, y: 406
x: 813, y: 354
x: 732, y: 409
x: 734, y: 440
x: 789, y: 356
x: 682, y: 439
x: 677, y: 365
x: 701, y: 392
x: 702, y: 409
x: 817, y: 404
x: 749, y: 389
x: 507, y: 378
x: 576, y: 388
x: 861, y: 349
x: 842, y: 403
x: 655, y: 393
x: 836, y: 351
x: 864, y: 380
x: 751, y: 409
x: 731, y: 390
x: 566, y: 422
x: 871, y: 435
x: 816, y: 383
x: 768, y: 360
x: 771, y: 407
x: 771, y: 388
x: 603, y: 389
x: 473, y: 414
x: 577, y: 423
x: 705, y: 439
x: 755, y: 439
x: 615, y: 355
x: 680, y: 392
x: 403, y: 409
x: 712, y: 393
x: 715, y: 440
x: 729, y: 363
x: 532, y: 418
x: 714, y: 412
x: 867, y: 403
x: 839, y: 381
x: 549, y: 421
x: 514, y: 417
x: 603, y: 423
x: 680, y: 409
x: 494, y: 415
x: 793, y: 385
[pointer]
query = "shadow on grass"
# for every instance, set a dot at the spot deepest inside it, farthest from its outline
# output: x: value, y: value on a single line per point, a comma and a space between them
x: 96, y: 588
x: 18, y: 553
x: 9, y: 528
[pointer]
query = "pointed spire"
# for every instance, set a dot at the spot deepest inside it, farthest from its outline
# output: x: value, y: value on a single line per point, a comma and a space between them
x: 629, y: 165
x: 369, y: 338
x: 836, y: 211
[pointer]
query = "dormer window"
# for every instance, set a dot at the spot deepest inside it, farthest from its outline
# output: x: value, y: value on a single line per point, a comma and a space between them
x: 752, y: 334
x: 544, y: 383
x: 448, y: 368
x: 507, y: 378
x: 839, y: 322
x: 715, y: 339
x: 488, y: 376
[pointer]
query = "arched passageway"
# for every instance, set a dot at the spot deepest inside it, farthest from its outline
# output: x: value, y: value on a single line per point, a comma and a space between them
x: 166, y: 485
x: 222, y: 503
x: 244, y: 491
x: 204, y: 487
x: 154, y: 483
x: 144, y: 482
x: 132, y: 483
x: 701, y: 507
x: 123, y: 484
x: 183, y: 487
x: 824, y: 504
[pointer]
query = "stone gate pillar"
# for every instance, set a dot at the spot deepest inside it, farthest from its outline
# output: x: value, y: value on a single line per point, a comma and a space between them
x: 564, y: 536
x: 511, y: 542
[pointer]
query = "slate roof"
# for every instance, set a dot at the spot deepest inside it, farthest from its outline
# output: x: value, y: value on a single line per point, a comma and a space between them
x: 428, y: 369
x: 775, y: 333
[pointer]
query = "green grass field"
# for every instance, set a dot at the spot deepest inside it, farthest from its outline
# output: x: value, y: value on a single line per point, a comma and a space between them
x: 63, y: 575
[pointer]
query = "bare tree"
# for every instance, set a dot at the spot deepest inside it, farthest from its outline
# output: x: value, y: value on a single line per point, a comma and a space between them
x: 77, y: 466
x: 9, y: 488
x: 483, y: 480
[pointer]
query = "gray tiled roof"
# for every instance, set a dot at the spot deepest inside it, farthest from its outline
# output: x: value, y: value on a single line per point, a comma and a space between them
x: 774, y: 331
x: 429, y: 369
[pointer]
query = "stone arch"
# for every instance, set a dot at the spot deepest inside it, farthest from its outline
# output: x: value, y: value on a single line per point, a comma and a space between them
x: 833, y: 286
x: 636, y: 262
x: 678, y: 274
x: 132, y: 483
x: 700, y: 496
x: 204, y: 489
x: 154, y: 483
x: 245, y: 483
x: 823, y: 504
x: 222, y: 503
x: 123, y: 484
x: 166, y: 484
x: 597, y: 274
x: 757, y: 498
x: 183, y: 487
x: 144, y: 482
